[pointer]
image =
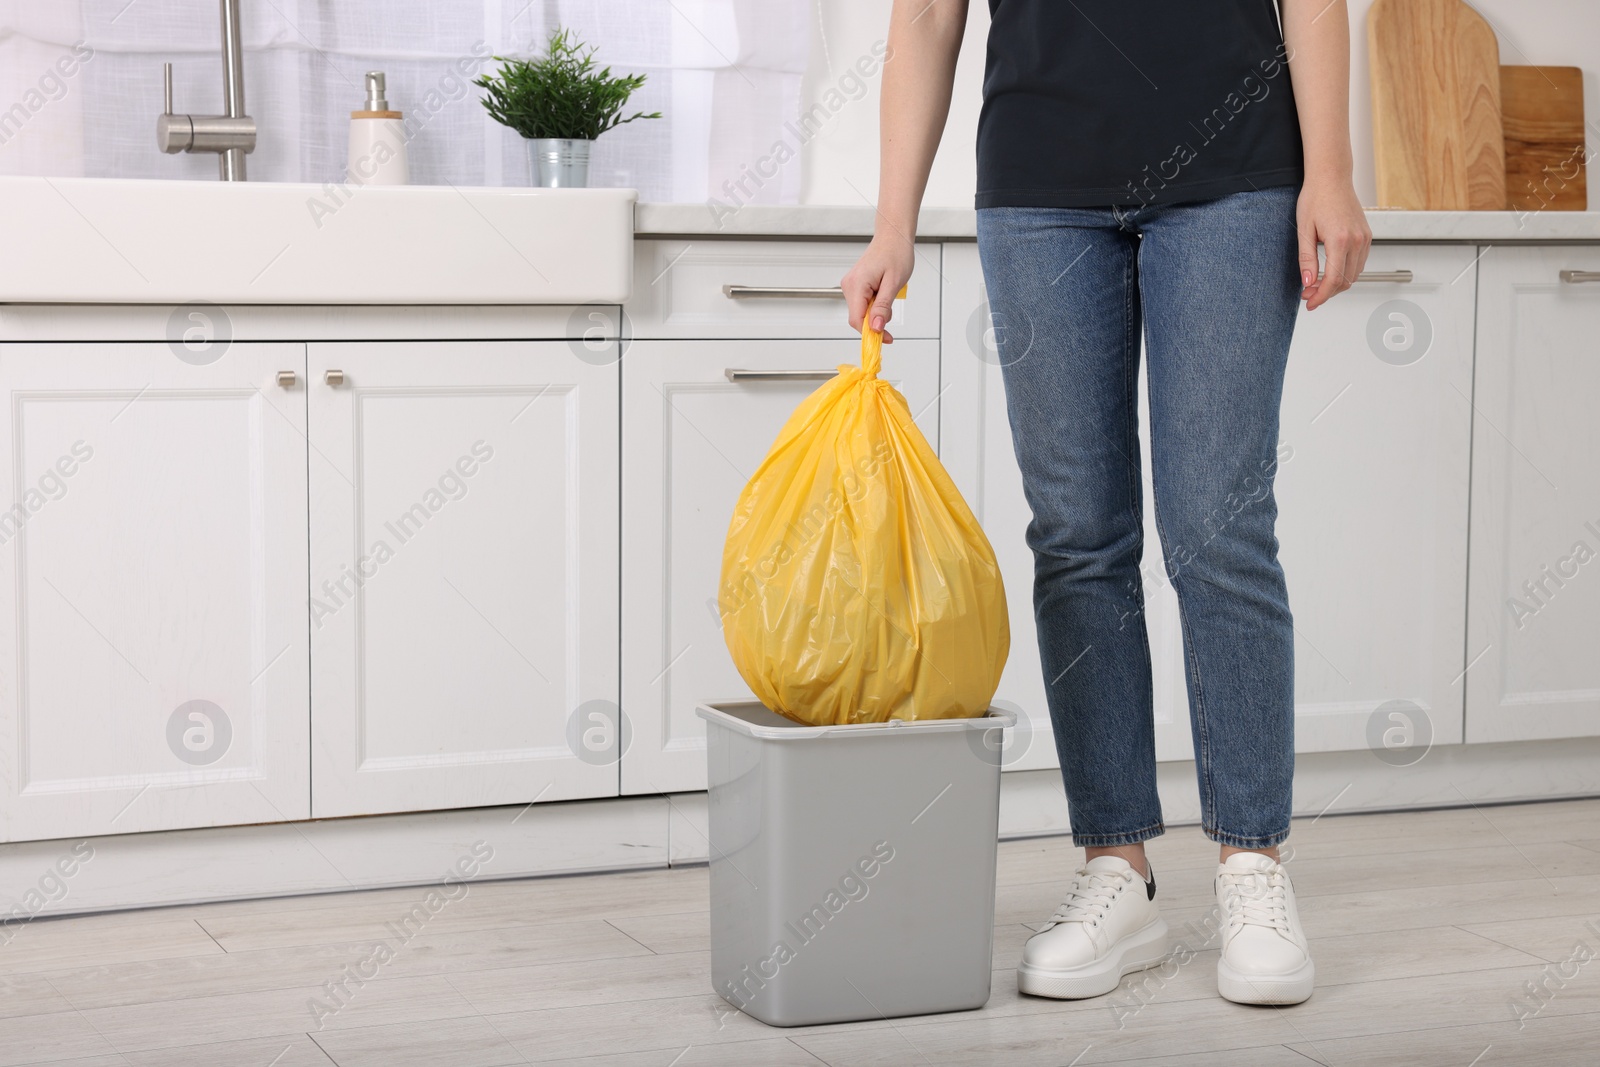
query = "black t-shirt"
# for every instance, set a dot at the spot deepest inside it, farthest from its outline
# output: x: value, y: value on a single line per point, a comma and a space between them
x: 1097, y: 102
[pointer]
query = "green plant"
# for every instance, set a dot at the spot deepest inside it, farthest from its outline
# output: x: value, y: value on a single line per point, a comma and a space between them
x: 560, y: 94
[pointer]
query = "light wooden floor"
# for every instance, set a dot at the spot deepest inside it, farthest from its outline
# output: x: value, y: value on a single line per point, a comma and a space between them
x: 1428, y: 929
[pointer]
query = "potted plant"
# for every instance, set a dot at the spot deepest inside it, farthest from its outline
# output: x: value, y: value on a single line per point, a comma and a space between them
x: 559, y: 103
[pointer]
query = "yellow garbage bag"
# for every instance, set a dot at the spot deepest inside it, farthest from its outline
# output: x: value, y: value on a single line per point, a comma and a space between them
x: 856, y: 583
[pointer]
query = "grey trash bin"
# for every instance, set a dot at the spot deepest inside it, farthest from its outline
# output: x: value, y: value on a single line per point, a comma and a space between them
x: 852, y: 867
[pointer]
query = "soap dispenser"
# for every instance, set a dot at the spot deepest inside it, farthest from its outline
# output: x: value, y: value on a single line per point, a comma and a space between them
x: 377, y: 140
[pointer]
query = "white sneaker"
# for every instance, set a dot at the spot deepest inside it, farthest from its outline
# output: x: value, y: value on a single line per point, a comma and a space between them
x: 1107, y: 928
x: 1265, y: 958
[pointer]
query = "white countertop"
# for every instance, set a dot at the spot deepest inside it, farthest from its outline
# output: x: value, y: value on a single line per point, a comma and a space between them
x: 1488, y: 227
x: 143, y: 242
x: 791, y: 220
x: 828, y: 220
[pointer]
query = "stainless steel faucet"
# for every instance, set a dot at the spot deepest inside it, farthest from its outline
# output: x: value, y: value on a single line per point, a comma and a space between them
x: 233, y: 133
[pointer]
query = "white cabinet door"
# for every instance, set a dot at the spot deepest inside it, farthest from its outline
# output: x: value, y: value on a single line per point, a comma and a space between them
x: 463, y: 574
x: 152, y: 632
x: 977, y: 450
x: 1372, y: 489
x: 691, y: 440
x: 1534, y: 635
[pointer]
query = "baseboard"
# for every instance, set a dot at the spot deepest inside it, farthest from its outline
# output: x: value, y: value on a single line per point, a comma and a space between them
x: 328, y: 855
x: 621, y: 833
x: 1032, y: 803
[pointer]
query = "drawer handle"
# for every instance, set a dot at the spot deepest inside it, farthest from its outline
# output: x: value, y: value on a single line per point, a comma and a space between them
x: 735, y: 374
x: 1573, y: 277
x: 800, y: 292
x: 334, y: 378
x: 1384, y: 276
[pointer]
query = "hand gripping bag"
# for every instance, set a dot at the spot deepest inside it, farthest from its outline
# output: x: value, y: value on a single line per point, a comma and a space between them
x: 856, y: 584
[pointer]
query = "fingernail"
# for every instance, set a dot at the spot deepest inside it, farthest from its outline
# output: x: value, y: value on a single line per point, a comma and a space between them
x: 1305, y: 277
x: 877, y: 322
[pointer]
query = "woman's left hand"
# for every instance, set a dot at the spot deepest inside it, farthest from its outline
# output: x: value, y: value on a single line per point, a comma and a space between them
x: 1330, y: 213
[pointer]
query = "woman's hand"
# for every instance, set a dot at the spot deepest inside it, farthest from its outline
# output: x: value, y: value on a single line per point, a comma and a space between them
x: 1317, y: 34
x: 1330, y: 213
x: 919, y: 72
x: 875, y: 280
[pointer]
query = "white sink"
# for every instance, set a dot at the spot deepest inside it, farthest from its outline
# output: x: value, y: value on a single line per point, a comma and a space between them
x: 88, y: 240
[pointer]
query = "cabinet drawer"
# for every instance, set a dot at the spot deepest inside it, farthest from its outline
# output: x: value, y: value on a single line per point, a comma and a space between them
x: 702, y: 289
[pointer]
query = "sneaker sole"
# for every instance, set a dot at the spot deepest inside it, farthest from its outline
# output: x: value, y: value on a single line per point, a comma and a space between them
x: 1291, y: 988
x: 1138, y: 951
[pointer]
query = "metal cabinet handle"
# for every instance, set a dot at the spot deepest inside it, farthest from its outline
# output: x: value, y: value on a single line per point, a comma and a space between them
x: 1384, y: 276
x: 1573, y: 277
x: 286, y: 378
x: 333, y: 377
x: 735, y: 374
x: 803, y: 292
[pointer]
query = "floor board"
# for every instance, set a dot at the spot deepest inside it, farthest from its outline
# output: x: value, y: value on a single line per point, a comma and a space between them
x: 1458, y: 937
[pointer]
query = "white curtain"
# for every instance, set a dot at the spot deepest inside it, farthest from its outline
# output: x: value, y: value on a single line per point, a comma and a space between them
x: 80, y: 85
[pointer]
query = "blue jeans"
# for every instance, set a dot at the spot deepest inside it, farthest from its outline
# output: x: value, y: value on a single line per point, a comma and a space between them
x: 1214, y: 288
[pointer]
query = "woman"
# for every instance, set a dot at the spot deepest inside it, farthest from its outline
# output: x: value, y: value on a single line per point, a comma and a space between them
x: 1167, y: 169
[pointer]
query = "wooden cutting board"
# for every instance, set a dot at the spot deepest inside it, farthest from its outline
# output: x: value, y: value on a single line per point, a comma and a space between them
x: 1542, y: 111
x: 1436, y: 131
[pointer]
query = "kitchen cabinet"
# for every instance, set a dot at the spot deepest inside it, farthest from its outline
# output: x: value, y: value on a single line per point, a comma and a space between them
x: 1375, y: 446
x: 691, y: 439
x: 1375, y: 449
x: 274, y: 580
x: 1534, y: 586
x: 463, y: 573
x: 153, y: 628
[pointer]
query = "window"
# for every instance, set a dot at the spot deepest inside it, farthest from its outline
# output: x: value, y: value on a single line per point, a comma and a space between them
x: 80, y: 85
